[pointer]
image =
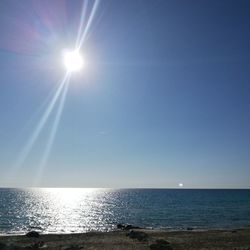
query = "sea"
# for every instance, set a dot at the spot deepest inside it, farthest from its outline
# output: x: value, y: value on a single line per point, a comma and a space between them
x: 73, y: 210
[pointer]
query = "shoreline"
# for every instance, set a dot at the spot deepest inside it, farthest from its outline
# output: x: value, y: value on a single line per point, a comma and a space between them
x: 164, y: 229
x: 141, y: 239
x: 156, y: 229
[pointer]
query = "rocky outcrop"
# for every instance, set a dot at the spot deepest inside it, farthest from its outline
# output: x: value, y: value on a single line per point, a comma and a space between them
x: 126, y: 227
x: 33, y: 234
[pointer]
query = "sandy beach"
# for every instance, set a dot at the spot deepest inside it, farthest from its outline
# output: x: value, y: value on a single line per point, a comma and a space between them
x: 138, y: 239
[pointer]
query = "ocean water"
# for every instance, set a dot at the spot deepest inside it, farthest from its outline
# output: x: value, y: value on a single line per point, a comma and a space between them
x: 81, y: 210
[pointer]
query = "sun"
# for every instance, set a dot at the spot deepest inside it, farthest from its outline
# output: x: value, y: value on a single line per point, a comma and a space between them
x: 73, y: 60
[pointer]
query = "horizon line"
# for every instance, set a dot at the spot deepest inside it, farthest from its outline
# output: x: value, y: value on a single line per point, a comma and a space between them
x: 179, y: 188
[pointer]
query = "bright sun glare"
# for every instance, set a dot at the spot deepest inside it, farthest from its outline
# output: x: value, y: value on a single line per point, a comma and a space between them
x: 73, y: 60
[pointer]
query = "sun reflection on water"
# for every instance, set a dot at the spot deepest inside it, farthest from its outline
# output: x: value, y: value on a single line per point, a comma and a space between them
x: 71, y: 207
x: 70, y: 196
x: 66, y: 210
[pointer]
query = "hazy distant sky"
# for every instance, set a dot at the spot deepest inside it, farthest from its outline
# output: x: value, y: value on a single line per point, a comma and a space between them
x: 164, y: 97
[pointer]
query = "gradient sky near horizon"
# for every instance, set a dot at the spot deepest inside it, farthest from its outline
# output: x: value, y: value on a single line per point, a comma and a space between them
x: 164, y: 97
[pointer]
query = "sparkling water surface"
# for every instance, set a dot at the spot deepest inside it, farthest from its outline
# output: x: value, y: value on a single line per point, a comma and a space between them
x: 66, y: 210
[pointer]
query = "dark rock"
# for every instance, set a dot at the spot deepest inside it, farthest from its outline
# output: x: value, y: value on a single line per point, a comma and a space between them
x: 33, y: 234
x: 129, y: 227
x: 126, y: 227
x: 137, y: 235
x: 120, y: 226
x: 190, y: 228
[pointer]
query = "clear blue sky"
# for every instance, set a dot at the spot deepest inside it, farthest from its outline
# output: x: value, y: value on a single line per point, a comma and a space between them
x: 164, y: 97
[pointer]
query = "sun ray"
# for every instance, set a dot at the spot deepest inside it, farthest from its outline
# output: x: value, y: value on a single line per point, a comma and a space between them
x: 83, y: 18
x: 89, y: 22
x: 52, y: 132
x: 28, y: 147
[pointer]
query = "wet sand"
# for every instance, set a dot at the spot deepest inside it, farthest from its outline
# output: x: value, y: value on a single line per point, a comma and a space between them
x: 138, y: 239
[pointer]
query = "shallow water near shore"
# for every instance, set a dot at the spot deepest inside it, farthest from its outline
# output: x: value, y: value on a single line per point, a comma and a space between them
x: 66, y: 210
